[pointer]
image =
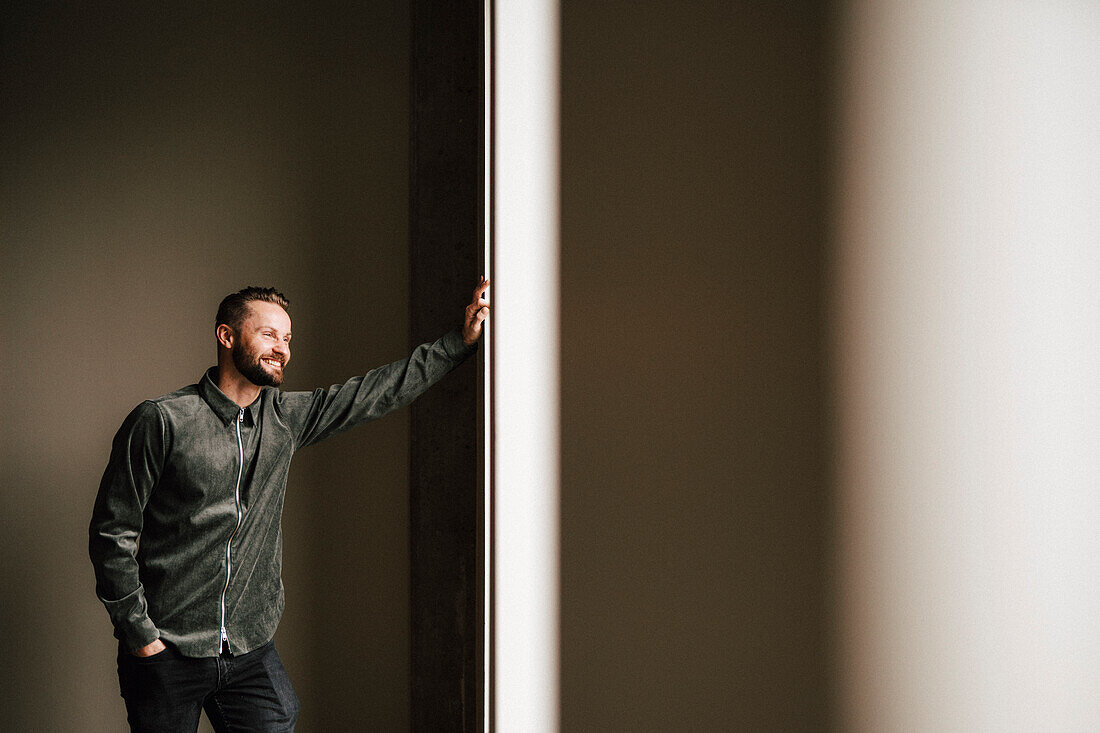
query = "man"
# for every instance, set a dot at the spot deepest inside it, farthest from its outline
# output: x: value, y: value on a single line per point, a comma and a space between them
x: 185, y: 535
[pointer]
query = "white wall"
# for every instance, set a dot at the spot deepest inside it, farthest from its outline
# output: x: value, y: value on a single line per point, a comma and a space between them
x: 968, y: 347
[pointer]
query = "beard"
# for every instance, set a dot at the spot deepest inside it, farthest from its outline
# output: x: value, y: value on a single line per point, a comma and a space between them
x: 250, y: 366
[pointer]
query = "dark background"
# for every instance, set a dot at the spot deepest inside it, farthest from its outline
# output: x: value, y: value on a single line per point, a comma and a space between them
x: 695, y: 490
x: 154, y: 160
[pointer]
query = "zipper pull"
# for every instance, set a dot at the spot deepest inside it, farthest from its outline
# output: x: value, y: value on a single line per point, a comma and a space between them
x: 225, y: 640
x: 240, y: 415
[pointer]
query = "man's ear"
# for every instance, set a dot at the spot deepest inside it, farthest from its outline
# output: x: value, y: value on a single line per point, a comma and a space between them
x: 225, y: 335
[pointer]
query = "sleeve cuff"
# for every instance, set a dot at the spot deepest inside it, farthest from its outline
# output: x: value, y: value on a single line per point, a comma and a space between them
x: 133, y: 627
x: 456, y: 348
x: 136, y: 637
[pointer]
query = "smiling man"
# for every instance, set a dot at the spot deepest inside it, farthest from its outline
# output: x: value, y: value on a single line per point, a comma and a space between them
x: 185, y: 535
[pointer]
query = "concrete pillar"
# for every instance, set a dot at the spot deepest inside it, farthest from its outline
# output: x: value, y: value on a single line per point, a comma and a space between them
x: 968, y: 341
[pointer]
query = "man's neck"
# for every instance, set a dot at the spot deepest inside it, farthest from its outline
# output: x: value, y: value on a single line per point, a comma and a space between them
x: 235, y: 386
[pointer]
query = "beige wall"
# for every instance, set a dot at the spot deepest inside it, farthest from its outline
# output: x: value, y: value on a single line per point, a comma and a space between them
x: 153, y: 161
x: 695, y: 497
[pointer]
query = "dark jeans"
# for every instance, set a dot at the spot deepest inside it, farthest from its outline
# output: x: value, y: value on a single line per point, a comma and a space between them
x: 166, y: 692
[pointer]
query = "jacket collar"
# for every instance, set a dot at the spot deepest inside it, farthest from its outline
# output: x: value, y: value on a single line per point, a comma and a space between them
x: 223, y: 407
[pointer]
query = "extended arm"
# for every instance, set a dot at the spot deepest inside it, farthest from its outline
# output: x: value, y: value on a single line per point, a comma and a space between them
x: 314, y: 416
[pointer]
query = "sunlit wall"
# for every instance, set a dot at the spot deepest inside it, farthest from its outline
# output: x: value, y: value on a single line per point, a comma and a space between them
x: 525, y: 378
x: 967, y: 336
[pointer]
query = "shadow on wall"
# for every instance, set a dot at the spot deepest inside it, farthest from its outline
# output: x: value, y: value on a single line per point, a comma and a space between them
x: 696, y: 494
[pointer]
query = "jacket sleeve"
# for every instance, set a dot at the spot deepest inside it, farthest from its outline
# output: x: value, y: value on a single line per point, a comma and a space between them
x: 137, y: 457
x: 314, y: 416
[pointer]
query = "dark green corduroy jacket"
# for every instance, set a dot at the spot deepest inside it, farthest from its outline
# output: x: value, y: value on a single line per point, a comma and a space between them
x: 185, y: 540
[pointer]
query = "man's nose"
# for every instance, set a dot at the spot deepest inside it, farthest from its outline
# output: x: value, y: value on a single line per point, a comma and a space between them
x: 282, y: 349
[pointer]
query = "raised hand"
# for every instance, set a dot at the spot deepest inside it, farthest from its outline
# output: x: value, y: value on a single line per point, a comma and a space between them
x: 476, y: 312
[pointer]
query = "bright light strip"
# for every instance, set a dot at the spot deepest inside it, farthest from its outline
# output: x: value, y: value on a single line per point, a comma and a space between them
x: 525, y: 365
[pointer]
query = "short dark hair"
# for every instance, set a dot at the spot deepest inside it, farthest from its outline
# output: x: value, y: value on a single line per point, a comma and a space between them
x: 234, y: 307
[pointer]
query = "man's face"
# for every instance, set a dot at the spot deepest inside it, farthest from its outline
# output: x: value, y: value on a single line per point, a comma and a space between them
x: 262, y: 348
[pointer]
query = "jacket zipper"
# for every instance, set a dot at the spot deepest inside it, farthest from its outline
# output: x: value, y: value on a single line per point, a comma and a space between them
x: 229, y: 544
